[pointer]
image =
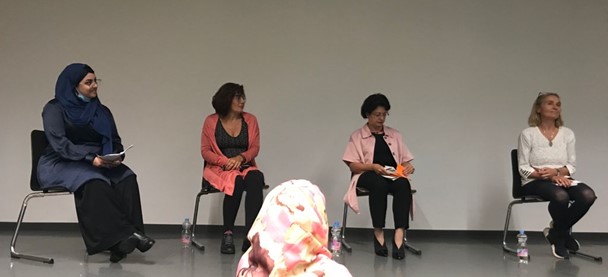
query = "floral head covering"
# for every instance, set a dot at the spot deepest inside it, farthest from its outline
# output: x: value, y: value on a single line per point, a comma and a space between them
x: 289, y: 236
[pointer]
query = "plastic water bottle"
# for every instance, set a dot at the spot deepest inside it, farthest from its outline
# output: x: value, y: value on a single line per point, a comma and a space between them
x: 336, y: 241
x: 522, y: 247
x: 186, y: 233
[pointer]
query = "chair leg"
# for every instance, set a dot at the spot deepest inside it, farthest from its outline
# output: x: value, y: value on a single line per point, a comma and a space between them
x: 505, y: 246
x: 345, y: 244
x: 193, y: 240
x: 589, y: 256
x: 410, y: 247
x: 14, y: 253
x: 407, y: 245
x: 585, y: 255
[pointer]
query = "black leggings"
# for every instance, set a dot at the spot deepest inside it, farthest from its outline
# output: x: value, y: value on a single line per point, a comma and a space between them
x: 564, y: 214
x: 379, y: 188
x: 253, y: 183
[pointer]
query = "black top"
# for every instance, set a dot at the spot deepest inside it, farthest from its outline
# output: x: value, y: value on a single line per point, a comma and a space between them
x: 383, y: 154
x: 229, y: 145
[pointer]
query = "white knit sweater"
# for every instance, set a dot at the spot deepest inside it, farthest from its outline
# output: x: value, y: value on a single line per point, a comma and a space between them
x: 534, y: 151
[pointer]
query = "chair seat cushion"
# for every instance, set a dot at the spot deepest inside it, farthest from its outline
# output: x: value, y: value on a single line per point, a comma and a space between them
x: 207, y: 187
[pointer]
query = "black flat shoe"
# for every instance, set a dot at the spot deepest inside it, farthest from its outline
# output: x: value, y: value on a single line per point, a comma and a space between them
x: 399, y: 253
x: 144, y: 242
x: 380, y: 250
x: 227, y: 244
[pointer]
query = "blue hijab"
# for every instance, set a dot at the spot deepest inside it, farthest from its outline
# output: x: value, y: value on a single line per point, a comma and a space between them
x: 83, y: 113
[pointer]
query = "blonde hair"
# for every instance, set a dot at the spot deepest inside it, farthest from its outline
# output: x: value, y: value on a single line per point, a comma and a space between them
x: 534, y: 118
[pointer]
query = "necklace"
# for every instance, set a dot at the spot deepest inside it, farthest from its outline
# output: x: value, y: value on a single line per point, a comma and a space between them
x: 550, y: 136
x: 381, y: 131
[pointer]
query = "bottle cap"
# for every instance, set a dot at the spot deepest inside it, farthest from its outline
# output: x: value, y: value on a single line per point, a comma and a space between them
x: 336, y: 224
x: 521, y: 232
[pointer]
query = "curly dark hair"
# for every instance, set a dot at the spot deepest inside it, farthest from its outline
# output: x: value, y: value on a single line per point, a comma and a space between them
x: 222, y: 99
x: 372, y: 102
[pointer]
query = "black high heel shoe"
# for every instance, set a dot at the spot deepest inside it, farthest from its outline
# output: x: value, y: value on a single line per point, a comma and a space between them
x: 399, y: 253
x: 380, y: 250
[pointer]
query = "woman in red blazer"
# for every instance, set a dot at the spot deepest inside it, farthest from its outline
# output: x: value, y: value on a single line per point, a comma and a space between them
x: 230, y: 141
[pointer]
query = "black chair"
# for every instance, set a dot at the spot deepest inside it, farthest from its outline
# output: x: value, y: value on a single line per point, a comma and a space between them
x: 521, y: 198
x: 364, y: 192
x: 38, y: 145
x: 206, y: 188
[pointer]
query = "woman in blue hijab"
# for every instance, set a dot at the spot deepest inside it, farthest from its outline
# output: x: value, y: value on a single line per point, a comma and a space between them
x: 80, y: 130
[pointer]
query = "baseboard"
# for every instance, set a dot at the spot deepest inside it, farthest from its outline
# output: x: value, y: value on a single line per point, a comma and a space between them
x: 363, y: 232
x: 73, y: 227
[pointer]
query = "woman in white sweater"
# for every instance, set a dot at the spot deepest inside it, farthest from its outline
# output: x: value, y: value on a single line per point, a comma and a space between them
x: 547, y: 161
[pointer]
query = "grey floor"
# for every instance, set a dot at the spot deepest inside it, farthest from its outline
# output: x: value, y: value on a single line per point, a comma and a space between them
x: 444, y: 254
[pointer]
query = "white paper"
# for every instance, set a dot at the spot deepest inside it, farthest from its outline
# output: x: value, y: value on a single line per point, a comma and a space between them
x: 574, y: 181
x: 390, y: 170
x: 115, y: 156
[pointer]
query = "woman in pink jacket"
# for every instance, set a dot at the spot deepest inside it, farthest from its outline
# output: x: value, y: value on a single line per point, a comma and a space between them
x: 371, y: 150
x: 230, y: 141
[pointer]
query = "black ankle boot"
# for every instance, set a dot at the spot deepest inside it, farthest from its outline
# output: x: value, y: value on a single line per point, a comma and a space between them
x: 227, y: 244
x: 127, y: 245
x: 116, y: 256
x: 399, y: 253
x: 380, y: 250
x: 144, y: 242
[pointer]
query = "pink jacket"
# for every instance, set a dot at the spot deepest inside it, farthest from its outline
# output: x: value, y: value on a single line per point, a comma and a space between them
x: 360, y: 149
x: 214, y: 159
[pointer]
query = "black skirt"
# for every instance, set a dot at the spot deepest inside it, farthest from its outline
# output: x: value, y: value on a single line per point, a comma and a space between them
x: 108, y: 213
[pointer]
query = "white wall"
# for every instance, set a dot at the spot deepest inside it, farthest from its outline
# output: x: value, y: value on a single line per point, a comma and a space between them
x: 461, y: 76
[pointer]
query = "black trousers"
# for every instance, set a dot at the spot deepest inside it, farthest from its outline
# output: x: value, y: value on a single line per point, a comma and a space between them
x: 379, y: 189
x: 564, y: 214
x: 253, y: 183
x: 108, y: 214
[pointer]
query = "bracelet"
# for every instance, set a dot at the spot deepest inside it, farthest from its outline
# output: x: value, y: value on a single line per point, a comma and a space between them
x: 243, y: 157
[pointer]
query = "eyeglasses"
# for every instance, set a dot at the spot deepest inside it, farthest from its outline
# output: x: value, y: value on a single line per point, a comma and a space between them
x: 89, y: 82
x: 542, y: 93
x: 379, y: 114
x: 240, y: 97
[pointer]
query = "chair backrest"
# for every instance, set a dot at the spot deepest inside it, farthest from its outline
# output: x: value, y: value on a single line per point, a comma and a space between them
x: 38, y: 144
x: 518, y: 190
